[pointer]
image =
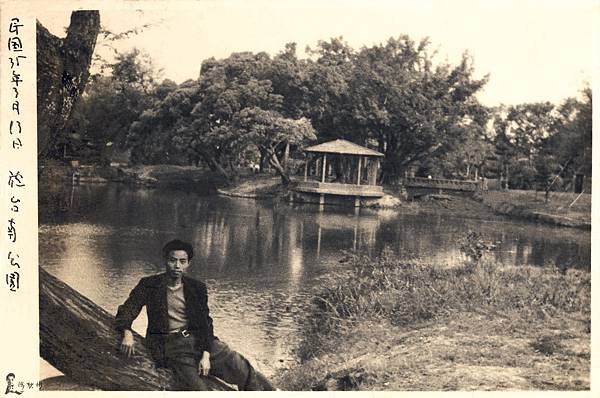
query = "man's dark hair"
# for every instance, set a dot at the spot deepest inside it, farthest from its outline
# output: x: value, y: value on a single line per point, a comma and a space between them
x: 177, y: 244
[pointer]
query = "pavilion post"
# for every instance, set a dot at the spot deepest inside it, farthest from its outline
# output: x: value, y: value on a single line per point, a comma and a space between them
x: 359, y: 167
x: 317, y: 167
x: 374, y: 172
x: 324, y: 168
x: 306, y: 168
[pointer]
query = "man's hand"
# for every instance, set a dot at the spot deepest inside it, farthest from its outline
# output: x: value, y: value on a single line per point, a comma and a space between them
x: 204, y: 366
x: 127, y: 343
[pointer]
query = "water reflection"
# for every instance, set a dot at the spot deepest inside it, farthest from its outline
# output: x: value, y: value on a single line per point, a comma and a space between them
x: 260, y: 259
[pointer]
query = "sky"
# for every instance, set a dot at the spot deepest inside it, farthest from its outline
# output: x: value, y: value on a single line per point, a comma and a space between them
x: 532, y: 50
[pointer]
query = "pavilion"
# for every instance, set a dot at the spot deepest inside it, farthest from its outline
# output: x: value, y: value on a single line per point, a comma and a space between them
x: 340, y: 170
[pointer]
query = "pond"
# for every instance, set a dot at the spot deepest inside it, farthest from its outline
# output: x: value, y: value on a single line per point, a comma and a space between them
x: 260, y: 259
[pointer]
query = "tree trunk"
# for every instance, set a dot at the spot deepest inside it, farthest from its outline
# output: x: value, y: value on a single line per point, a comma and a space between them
x: 78, y: 338
x: 261, y: 162
x: 420, y: 155
x: 286, y: 155
x: 215, y: 166
x: 393, y: 168
x: 62, y: 73
x: 274, y: 162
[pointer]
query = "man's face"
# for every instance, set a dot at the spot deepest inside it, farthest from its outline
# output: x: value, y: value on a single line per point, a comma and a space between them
x: 176, y: 263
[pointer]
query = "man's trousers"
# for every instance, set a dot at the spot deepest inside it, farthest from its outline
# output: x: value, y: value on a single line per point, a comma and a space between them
x: 183, y: 359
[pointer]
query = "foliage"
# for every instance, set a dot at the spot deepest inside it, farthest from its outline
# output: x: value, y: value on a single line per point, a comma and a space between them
x: 537, y: 143
x: 405, y: 293
x: 390, y: 96
x: 571, y: 143
x: 423, y: 116
x: 216, y: 118
x: 269, y: 130
x: 393, y: 95
x: 466, y: 159
x: 111, y: 103
x: 520, y: 130
x: 473, y: 246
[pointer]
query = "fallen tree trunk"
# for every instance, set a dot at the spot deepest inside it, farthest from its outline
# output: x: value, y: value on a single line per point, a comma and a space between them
x: 78, y: 338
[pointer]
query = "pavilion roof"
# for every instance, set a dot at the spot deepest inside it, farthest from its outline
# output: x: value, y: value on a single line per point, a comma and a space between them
x: 342, y: 147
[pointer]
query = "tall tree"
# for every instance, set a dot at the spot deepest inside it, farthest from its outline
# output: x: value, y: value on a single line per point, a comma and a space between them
x: 572, y: 141
x: 520, y: 133
x: 388, y: 95
x: 62, y: 73
x: 392, y: 95
x: 467, y: 157
x: 269, y: 131
x: 113, y: 100
x: 209, y: 120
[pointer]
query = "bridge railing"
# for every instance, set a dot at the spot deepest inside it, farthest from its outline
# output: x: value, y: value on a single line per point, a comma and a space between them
x: 441, y: 183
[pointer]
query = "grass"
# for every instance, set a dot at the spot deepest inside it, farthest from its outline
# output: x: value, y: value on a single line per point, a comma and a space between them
x: 255, y: 186
x: 188, y: 178
x: 385, y: 324
x: 465, y: 352
x: 565, y: 205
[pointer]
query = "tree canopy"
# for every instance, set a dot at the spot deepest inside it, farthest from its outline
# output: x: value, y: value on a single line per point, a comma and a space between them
x: 110, y: 104
x: 394, y: 97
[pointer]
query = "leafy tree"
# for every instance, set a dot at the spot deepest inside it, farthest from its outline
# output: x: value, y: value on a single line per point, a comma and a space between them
x: 269, y: 131
x: 538, y: 144
x: 505, y: 153
x: 391, y: 94
x: 226, y: 87
x: 520, y: 132
x: 528, y: 125
x: 134, y: 71
x: 113, y: 101
x: 150, y: 138
x: 327, y: 86
x: 208, y: 121
x: 467, y: 158
x: 571, y: 143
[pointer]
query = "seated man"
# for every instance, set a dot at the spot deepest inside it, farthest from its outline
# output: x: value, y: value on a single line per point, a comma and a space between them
x: 180, y: 330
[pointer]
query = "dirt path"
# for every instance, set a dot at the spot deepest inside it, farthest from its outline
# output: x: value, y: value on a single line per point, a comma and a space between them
x: 466, y: 352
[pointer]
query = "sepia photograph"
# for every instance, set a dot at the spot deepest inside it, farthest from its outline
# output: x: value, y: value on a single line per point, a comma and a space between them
x: 312, y: 196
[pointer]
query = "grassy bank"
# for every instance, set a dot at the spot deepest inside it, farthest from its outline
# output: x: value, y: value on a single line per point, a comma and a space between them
x: 562, y: 208
x: 255, y: 187
x: 389, y: 325
x: 170, y: 176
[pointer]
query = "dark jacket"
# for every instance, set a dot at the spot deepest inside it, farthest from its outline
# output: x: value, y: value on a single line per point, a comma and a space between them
x: 151, y: 291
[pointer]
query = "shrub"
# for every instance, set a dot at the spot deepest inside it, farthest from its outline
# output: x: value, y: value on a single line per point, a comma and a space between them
x: 547, y: 345
x: 408, y: 293
x: 474, y: 246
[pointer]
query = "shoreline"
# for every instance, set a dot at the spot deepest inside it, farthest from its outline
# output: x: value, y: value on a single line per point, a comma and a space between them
x: 520, y: 213
x: 269, y: 188
x: 512, y: 205
x: 411, y: 327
